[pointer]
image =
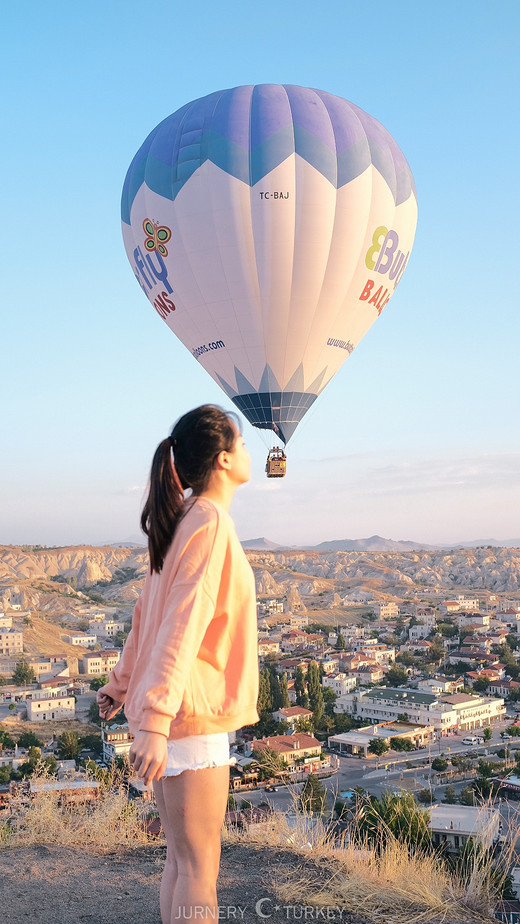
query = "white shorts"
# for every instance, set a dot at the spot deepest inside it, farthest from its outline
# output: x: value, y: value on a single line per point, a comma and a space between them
x: 198, y: 751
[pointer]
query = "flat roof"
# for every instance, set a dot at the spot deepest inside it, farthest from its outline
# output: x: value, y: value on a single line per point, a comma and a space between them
x: 395, y: 693
x: 463, y: 819
x: 393, y: 729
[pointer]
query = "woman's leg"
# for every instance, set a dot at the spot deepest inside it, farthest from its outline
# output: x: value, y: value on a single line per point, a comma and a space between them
x: 195, y: 803
x: 169, y: 876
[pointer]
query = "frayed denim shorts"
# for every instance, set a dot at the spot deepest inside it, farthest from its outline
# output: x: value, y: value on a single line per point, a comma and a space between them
x: 198, y: 751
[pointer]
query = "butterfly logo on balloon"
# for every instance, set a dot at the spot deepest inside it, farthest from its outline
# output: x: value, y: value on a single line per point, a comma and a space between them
x: 156, y: 237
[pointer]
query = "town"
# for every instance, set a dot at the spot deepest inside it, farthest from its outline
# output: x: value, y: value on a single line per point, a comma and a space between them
x: 365, y: 695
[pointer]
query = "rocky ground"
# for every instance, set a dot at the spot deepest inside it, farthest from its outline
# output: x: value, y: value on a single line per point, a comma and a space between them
x: 57, y: 885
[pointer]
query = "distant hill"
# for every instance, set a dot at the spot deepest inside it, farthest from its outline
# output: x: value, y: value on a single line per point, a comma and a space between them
x: 259, y: 545
x: 373, y: 544
x: 483, y: 543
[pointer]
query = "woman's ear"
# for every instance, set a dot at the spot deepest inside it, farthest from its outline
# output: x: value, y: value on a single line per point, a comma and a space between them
x: 223, y: 460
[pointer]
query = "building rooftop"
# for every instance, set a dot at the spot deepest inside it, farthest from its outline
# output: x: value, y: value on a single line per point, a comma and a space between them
x: 402, y: 695
x: 463, y: 819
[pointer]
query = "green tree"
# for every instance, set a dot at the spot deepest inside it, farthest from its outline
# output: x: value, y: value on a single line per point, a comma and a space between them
x: 391, y: 815
x: 488, y: 733
x: 69, y: 746
x: 313, y: 795
x: 6, y: 740
x: 401, y: 744
x: 329, y: 699
x: 425, y: 796
x: 378, y: 746
x: 23, y: 674
x: 299, y: 685
x: 450, y: 795
x: 28, y: 740
x: 447, y: 629
x: 91, y: 743
x: 513, y: 730
x: 480, y: 685
x: 265, y: 699
x: 284, y: 691
x: 467, y: 796
x: 396, y: 677
x: 340, y: 642
x: 270, y: 763
x: 439, y: 764
x: 276, y: 692
x: 97, y: 682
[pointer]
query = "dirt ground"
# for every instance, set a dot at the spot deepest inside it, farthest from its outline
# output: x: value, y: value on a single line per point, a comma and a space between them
x: 57, y: 885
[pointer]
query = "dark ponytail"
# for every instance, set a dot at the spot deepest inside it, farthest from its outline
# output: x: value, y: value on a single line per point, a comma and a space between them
x: 196, y: 440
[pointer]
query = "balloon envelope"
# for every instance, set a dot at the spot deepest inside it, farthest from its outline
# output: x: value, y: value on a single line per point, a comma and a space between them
x: 269, y: 226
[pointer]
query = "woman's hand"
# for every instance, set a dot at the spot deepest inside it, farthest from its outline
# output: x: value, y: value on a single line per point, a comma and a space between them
x: 148, y: 755
x: 108, y: 707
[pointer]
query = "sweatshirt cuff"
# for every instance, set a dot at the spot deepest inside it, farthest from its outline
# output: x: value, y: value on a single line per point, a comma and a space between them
x: 156, y: 722
x: 111, y: 689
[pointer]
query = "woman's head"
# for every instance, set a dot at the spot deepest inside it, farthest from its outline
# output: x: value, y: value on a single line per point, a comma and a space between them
x: 198, y: 439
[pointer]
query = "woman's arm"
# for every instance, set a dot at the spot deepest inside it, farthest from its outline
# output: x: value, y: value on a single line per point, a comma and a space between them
x: 188, y: 611
x: 111, y: 697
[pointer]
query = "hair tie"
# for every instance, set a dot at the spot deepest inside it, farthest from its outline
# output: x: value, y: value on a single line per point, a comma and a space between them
x: 173, y: 442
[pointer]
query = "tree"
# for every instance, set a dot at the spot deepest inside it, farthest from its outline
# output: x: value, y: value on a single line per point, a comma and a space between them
x: 313, y: 795
x: 92, y: 743
x: 392, y: 815
x: 5, y: 774
x: 28, y: 740
x: 276, y: 693
x: 439, y: 764
x: 467, y: 796
x: 447, y: 629
x: 299, y: 685
x: 340, y: 642
x: 401, y: 744
x: 270, y: 762
x: 396, y: 677
x: 450, y: 795
x: 23, y: 674
x: 329, y: 698
x: 425, y: 796
x: 480, y: 685
x: 6, y: 741
x: 69, y: 746
x: 488, y: 733
x: 284, y: 691
x: 97, y: 682
x: 378, y: 746
x: 265, y: 699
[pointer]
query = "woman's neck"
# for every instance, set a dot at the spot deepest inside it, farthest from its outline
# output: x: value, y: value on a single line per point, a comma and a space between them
x: 220, y: 493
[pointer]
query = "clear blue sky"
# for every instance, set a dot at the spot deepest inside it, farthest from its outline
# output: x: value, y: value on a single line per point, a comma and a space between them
x: 417, y: 437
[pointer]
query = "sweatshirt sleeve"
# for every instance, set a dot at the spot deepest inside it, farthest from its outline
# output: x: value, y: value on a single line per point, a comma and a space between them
x: 188, y: 611
x: 120, y: 675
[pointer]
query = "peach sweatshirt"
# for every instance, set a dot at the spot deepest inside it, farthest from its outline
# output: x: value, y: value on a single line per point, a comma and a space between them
x: 190, y: 663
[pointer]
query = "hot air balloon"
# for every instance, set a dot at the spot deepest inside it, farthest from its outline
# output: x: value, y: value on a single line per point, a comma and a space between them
x: 269, y: 226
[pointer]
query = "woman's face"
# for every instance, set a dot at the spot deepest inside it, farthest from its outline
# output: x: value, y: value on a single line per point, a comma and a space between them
x: 240, y: 470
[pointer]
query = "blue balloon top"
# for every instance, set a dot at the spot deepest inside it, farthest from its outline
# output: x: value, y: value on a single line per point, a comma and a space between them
x: 248, y: 131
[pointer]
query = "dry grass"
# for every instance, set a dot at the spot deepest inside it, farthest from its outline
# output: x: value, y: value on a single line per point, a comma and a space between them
x: 112, y: 821
x: 388, y: 881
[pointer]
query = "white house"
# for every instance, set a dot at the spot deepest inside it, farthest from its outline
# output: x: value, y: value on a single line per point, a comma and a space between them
x: 50, y: 708
x: 117, y: 741
x: 340, y: 683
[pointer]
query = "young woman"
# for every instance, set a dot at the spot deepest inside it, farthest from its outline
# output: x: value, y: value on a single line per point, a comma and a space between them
x: 188, y: 673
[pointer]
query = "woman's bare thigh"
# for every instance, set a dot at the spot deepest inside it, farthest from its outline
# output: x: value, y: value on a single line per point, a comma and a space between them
x: 195, y: 803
